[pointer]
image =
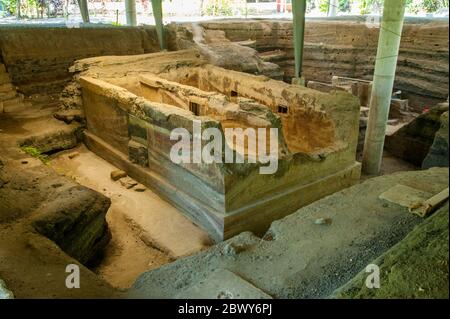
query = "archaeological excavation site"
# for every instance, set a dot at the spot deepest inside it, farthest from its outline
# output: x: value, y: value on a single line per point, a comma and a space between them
x: 224, y: 149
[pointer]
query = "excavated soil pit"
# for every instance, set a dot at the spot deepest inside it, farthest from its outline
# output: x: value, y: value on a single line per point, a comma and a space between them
x: 147, y: 232
x: 133, y: 103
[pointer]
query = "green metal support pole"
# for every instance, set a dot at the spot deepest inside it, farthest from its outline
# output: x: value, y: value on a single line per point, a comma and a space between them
x: 383, y: 82
x: 333, y: 6
x: 157, y: 14
x: 298, y: 11
x: 130, y: 11
x: 18, y: 12
x: 84, y: 10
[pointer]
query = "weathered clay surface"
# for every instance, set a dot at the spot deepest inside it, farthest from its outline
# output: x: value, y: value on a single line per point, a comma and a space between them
x: 347, y: 47
x: 220, y: 51
x: 438, y: 154
x: 68, y: 136
x: 8, y: 93
x: 76, y: 222
x: 38, y: 58
x: 133, y: 103
x: 71, y: 215
x: 46, y: 221
x: 306, y: 260
x: 412, y: 142
x: 36, y: 204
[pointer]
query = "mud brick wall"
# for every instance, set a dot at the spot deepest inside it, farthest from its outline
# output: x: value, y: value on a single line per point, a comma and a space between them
x: 38, y: 58
x: 348, y: 48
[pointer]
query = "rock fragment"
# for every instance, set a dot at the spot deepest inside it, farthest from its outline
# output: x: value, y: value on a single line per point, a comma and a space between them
x: 139, y: 188
x: 323, y: 221
x: 128, y: 182
x: 118, y: 174
x: 73, y: 155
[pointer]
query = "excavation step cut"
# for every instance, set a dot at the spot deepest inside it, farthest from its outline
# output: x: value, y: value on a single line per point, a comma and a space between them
x: 223, y: 284
x: 404, y: 195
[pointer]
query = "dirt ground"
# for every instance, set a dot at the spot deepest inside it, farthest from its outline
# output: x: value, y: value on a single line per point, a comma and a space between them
x: 31, y: 265
x: 127, y: 256
x: 305, y: 259
x: 391, y: 164
x: 147, y: 232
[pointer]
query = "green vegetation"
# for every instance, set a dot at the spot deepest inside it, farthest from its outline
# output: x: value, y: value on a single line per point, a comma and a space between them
x: 417, y: 267
x: 10, y: 6
x: 33, y: 151
x: 219, y: 8
x: 60, y: 8
x: 344, y: 5
x: 34, y: 8
x: 374, y: 6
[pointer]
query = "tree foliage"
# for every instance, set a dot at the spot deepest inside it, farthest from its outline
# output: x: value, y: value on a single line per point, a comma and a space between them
x: 9, y: 6
x: 54, y: 8
x: 372, y: 6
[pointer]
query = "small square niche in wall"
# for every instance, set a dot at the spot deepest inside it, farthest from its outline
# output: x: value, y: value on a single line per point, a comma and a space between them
x: 194, y: 108
x: 282, y: 109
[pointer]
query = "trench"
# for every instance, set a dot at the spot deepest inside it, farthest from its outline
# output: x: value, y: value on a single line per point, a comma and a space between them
x: 147, y: 232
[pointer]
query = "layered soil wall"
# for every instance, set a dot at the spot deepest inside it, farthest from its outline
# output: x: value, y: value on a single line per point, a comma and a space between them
x: 38, y: 58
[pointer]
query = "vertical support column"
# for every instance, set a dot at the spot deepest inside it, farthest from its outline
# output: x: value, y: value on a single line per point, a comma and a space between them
x: 130, y: 12
x: 298, y: 11
x: 383, y: 82
x: 84, y: 10
x: 18, y: 13
x: 157, y: 14
x: 333, y: 6
x: 66, y: 8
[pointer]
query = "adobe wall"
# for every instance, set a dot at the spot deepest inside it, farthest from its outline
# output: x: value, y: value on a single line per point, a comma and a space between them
x: 225, y: 198
x: 38, y: 58
x: 347, y: 47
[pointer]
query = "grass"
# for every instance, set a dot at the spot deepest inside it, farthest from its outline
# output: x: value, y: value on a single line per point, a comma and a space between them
x: 36, y: 153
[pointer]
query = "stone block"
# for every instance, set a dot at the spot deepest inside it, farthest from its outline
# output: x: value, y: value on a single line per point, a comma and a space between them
x: 118, y: 174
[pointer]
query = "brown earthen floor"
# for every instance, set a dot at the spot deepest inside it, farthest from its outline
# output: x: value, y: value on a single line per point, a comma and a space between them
x: 147, y: 232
